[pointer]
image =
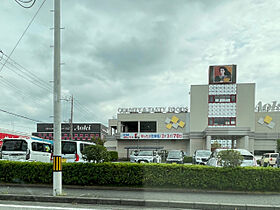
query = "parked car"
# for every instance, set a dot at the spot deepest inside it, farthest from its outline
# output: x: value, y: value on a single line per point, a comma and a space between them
x: 269, y: 159
x: 71, y: 151
x: 248, y: 158
x: 133, y: 155
x: 147, y: 156
x: 201, y: 156
x: 26, y: 149
x: 175, y: 156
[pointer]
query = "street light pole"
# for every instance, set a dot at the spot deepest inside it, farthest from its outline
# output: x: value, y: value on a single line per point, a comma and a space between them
x: 57, y: 169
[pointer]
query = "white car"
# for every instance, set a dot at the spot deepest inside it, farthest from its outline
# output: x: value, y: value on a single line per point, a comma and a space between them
x: 201, y: 156
x: 26, y: 149
x: 71, y: 151
x: 147, y: 156
x: 248, y: 158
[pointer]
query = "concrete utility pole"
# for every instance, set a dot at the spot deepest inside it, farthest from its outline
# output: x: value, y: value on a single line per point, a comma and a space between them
x: 57, y: 169
x: 71, y: 119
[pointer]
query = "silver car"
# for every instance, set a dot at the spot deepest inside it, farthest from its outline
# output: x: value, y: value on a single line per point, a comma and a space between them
x: 147, y: 156
x: 248, y: 158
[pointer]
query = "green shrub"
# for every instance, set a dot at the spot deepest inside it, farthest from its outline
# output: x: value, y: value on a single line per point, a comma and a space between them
x: 147, y: 175
x: 113, y: 155
x: 230, y: 158
x: 187, y: 159
x: 96, y: 154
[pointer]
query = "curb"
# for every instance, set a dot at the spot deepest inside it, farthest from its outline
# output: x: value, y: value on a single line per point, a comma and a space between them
x: 145, y: 189
x: 137, y: 202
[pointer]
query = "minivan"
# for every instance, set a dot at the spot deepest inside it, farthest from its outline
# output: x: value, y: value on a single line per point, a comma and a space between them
x: 26, y: 149
x: 71, y: 151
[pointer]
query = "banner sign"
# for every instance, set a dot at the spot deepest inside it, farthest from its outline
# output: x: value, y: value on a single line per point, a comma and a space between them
x: 151, y: 136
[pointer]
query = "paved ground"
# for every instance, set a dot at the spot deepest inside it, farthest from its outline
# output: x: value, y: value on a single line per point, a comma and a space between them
x: 142, y: 197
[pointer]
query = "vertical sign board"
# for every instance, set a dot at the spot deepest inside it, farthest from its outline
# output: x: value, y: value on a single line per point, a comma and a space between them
x: 57, y: 164
x: 225, y: 74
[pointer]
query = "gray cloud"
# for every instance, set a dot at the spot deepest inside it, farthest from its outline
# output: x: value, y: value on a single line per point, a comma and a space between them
x: 135, y: 53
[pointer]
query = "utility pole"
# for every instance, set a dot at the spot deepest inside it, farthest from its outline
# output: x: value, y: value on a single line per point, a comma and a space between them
x: 57, y: 166
x: 71, y: 118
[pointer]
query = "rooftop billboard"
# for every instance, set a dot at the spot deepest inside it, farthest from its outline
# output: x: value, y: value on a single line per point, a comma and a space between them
x: 225, y: 74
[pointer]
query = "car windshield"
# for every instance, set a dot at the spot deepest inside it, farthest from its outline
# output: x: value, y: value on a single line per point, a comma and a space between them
x: 203, y: 153
x: 146, y: 153
x: 174, y: 154
x: 274, y: 155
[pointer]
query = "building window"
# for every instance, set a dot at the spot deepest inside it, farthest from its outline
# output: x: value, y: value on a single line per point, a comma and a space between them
x: 211, y: 99
x: 129, y: 127
x: 220, y: 121
x: 148, y: 127
x: 222, y: 99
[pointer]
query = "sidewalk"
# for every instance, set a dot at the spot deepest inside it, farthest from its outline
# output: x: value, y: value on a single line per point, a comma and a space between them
x: 171, y: 198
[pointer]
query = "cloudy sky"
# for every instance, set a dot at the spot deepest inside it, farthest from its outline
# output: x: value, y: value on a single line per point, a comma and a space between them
x: 123, y: 53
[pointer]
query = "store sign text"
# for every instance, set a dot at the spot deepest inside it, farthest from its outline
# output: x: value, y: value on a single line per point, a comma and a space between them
x: 267, y: 107
x: 152, y: 110
x: 151, y: 136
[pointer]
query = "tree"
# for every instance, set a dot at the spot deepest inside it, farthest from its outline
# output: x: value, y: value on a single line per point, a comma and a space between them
x: 96, y: 154
x: 98, y: 141
x: 230, y: 158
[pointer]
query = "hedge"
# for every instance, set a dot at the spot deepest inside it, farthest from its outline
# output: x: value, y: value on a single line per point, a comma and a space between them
x: 187, y: 159
x: 146, y: 175
x: 114, y: 155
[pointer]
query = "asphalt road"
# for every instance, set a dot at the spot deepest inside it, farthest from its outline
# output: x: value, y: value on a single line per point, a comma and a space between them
x: 23, y: 205
x: 164, y: 195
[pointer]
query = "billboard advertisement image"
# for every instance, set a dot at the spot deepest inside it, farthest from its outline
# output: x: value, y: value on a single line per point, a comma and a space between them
x: 222, y: 74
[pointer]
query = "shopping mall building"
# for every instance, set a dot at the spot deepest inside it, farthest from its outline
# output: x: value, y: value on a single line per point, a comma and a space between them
x: 221, y: 113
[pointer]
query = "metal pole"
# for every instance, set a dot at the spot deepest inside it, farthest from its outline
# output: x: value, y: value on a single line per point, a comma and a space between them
x: 71, y: 119
x: 57, y: 172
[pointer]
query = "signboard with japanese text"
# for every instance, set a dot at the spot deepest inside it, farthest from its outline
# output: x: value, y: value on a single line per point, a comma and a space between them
x: 151, y: 136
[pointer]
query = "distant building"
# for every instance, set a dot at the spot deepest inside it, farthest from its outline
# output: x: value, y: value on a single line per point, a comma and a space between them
x: 222, y: 113
x: 81, y: 131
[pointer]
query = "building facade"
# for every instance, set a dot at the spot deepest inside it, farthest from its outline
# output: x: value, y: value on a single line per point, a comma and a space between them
x: 222, y: 114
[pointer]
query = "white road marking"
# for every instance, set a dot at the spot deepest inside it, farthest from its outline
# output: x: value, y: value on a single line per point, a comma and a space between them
x: 41, y: 207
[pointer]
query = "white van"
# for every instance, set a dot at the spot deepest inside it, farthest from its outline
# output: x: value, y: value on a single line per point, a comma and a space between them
x: 71, y: 151
x: 26, y: 149
x: 248, y: 158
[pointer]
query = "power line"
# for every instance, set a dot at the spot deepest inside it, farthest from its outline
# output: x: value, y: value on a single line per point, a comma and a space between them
x: 26, y: 27
x: 25, y: 77
x: 18, y: 115
x: 18, y: 67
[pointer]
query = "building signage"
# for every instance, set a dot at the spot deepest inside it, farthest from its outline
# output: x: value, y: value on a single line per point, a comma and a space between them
x: 222, y: 74
x: 65, y: 127
x: 267, y: 107
x: 151, y: 136
x: 152, y: 110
